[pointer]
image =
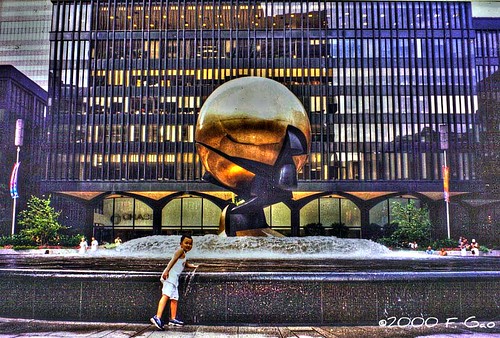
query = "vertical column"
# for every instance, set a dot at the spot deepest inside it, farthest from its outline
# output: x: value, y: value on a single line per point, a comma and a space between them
x: 295, y: 221
x: 157, y: 209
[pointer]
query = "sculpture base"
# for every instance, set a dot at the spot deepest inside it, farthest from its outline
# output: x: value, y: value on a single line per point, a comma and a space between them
x: 263, y: 232
x: 248, y: 224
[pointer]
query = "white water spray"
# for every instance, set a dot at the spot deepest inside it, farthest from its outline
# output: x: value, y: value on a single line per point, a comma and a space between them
x: 215, y: 247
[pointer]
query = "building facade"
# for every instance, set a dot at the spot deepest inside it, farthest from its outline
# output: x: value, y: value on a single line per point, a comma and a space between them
x: 378, y: 79
x: 20, y: 98
x: 24, y: 37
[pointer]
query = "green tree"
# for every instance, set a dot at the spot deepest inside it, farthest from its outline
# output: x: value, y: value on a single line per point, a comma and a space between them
x: 414, y: 223
x: 39, y: 221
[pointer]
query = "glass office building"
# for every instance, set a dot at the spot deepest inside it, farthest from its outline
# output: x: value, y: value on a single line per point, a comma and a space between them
x: 24, y: 37
x: 379, y: 80
x: 20, y: 99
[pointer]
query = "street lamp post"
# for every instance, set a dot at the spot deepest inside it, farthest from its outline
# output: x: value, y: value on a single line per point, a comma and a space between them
x: 18, y: 142
x: 443, y: 144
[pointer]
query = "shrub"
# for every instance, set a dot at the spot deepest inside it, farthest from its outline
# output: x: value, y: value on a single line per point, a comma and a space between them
x: 339, y: 230
x: 314, y: 229
x: 484, y: 249
x: 371, y: 231
x: 25, y: 247
x: 17, y: 240
x: 444, y: 243
x: 388, y: 241
x: 69, y: 241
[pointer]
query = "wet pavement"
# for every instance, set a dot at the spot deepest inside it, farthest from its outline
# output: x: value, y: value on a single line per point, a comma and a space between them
x: 10, y: 328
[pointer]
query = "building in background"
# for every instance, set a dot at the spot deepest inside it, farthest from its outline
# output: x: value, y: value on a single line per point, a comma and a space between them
x: 378, y: 79
x: 20, y: 98
x: 24, y: 37
x: 487, y: 47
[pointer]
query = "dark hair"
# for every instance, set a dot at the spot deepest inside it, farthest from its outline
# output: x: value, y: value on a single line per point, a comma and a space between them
x: 185, y: 236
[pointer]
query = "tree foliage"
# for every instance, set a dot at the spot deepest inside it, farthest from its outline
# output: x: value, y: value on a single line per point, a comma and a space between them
x: 414, y: 223
x: 39, y: 221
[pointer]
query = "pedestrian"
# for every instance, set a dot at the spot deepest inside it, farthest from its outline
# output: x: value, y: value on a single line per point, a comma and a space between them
x: 429, y: 250
x: 93, y: 245
x: 443, y: 252
x: 170, y: 281
x: 463, y: 247
x: 474, y: 248
x: 83, y: 246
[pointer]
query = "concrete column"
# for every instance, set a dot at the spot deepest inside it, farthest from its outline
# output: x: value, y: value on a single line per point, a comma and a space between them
x: 295, y: 221
x: 157, y: 219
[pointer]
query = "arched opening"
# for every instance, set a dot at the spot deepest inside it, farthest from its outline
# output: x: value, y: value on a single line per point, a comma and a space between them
x: 380, y: 217
x: 278, y: 217
x: 380, y: 214
x: 190, y: 213
x: 126, y: 217
x: 332, y: 210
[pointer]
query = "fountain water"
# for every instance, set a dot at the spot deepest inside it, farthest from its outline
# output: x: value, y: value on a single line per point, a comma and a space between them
x: 265, y: 248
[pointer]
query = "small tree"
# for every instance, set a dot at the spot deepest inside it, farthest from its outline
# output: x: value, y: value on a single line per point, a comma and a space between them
x: 414, y: 223
x: 39, y: 221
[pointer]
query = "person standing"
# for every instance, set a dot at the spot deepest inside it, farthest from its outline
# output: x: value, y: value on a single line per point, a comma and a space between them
x: 170, y: 281
x: 474, y: 248
x: 94, y: 245
x: 83, y: 246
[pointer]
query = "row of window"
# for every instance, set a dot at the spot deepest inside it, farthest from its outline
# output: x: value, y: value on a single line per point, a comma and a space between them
x: 265, y: 48
x: 161, y: 15
x: 201, y: 214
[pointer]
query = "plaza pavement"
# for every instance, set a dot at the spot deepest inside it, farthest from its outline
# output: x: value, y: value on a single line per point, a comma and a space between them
x: 10, y: 328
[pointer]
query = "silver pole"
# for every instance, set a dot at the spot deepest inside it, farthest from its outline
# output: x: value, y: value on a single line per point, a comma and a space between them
x: 15, y: 199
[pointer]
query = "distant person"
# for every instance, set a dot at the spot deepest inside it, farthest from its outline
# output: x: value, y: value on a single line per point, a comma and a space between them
x: 83, y: 246
x: 429, y: 250
x: 94, y: 245
x: 474, y: 248
x: 443, y: 252
x: 118, y: 241
x: 170, y: 280
x: 414, y: 245
x: 464, y: 246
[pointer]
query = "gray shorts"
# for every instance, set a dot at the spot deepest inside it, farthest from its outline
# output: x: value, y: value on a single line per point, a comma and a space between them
x: 170, y: 290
